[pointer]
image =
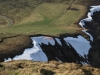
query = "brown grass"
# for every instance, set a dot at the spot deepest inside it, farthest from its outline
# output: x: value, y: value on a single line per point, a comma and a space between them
x: 49, y: 68
x: 33, y: 17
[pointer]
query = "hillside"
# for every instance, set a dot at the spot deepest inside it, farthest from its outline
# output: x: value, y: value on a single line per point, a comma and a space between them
x: 24, y: 22
x: 52, y: 17
x: 49, y: 68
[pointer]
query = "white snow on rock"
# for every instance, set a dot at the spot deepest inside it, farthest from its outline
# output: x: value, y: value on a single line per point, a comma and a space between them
x: 80, y: 44
x: 85, y: 31
x: 89, y: 18
x: 94, y: 9
x: 6, y: 60
x: 35, y: 53
x: 58, y: 59
x: 58, y: 41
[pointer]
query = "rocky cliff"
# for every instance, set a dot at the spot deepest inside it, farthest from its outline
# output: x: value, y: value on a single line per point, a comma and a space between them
x: 66, y: 53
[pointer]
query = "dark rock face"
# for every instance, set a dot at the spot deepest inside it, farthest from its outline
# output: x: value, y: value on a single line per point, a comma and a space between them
x: 67, y: 53
x: 96, y: 17
x: 94, y: 53
x: 64, y: 52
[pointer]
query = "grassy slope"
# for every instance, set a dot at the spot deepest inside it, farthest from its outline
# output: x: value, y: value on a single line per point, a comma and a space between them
x: 50, y: 68
x: 45, y: 18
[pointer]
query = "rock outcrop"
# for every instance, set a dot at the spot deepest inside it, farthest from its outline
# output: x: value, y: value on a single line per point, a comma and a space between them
x: 94, y: 53
x: 14, y: 45
x: 63, y: 53
x: 66, y: 53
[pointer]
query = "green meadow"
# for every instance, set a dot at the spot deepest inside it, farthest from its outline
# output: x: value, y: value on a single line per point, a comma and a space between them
x: 49, y: 18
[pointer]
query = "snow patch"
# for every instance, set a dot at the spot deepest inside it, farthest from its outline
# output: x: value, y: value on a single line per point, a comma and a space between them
x: 82, y: 24
x: 58, y: 41
x: 80, y: 44
x: 35, y: 53
x: 6, y: 60
x: 85, y: 31
x: 94, y: 9
x: 58, y: 59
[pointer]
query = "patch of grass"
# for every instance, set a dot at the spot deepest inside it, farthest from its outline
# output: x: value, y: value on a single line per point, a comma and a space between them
x: 3, y: 22
x: 51, y: 10
x: 38, y: 24
x: 48, y: 18
x: 43, y: 16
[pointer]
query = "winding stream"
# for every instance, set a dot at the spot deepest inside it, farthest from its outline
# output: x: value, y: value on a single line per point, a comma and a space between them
x: 79, y: 43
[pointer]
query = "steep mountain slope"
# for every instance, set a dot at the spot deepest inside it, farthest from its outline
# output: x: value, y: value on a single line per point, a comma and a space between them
x: 64, y: 51
x: 69, y: 48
